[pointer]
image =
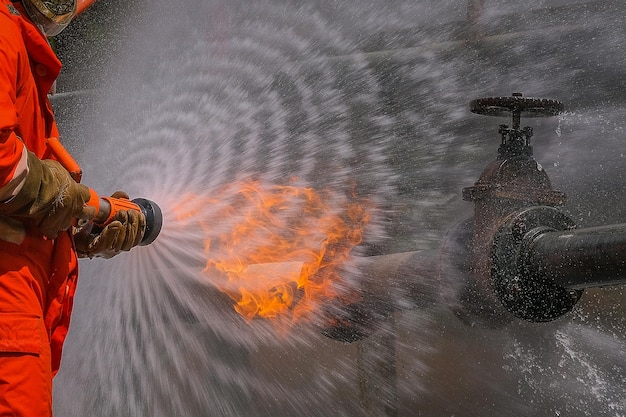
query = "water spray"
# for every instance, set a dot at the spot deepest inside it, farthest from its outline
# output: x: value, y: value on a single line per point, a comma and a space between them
x: 102, y: 210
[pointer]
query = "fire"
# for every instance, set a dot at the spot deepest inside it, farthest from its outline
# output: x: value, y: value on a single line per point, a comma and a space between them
x: 278, y: 250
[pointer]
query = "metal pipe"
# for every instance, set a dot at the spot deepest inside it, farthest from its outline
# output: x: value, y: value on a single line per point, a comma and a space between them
x: 387, y: 283
x: 404, y: 280
x: 541, y: 263
x: 578, y: 259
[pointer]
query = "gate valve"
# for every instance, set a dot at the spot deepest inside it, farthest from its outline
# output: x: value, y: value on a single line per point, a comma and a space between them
x: 512, y: 183
x: 526, y: 253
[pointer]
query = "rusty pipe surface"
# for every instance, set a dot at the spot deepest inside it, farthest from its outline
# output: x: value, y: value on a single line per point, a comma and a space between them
x: 386, y: 283
x: 406, y: 280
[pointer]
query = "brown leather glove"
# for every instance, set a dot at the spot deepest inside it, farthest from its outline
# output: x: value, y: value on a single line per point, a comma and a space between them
x: 123, y: 233
x: 49, y: 197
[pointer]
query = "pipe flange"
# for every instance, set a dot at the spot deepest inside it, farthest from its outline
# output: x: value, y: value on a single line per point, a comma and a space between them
x: 529, y: 296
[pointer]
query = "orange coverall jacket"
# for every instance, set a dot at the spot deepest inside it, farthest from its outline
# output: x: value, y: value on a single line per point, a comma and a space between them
x: 37, y: 275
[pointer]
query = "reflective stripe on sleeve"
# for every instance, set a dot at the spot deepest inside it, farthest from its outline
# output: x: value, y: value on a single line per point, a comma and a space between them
x: 19, y: 177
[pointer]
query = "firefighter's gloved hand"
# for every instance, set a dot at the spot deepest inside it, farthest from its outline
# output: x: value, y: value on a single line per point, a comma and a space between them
x: 123, y: 233
x: 49, y: 197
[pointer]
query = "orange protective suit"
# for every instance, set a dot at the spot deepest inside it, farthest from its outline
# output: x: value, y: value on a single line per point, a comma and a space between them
x: 37, y: 275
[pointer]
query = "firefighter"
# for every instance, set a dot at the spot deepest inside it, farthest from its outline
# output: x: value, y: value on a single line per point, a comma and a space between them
x: 38, y: 202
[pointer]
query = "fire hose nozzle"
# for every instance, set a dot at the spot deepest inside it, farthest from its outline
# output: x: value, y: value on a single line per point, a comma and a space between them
x: 102, y: 210
x: 154, y: 219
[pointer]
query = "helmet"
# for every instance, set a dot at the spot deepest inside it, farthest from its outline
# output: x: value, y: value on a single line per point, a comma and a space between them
x: 51, y: 15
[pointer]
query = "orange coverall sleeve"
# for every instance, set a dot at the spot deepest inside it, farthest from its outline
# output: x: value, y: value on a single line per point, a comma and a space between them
x: 11, y: 147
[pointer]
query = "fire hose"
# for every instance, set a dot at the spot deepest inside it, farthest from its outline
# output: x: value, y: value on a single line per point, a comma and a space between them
x: 102, y: 210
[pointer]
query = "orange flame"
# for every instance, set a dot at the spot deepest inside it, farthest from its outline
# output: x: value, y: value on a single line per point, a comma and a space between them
x: 279, y: 250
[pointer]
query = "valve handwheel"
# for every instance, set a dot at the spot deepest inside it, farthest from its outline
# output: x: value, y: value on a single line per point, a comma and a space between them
x: 516, y: 105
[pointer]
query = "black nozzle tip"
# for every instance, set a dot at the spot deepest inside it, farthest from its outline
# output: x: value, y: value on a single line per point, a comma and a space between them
x: 154, y: 220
